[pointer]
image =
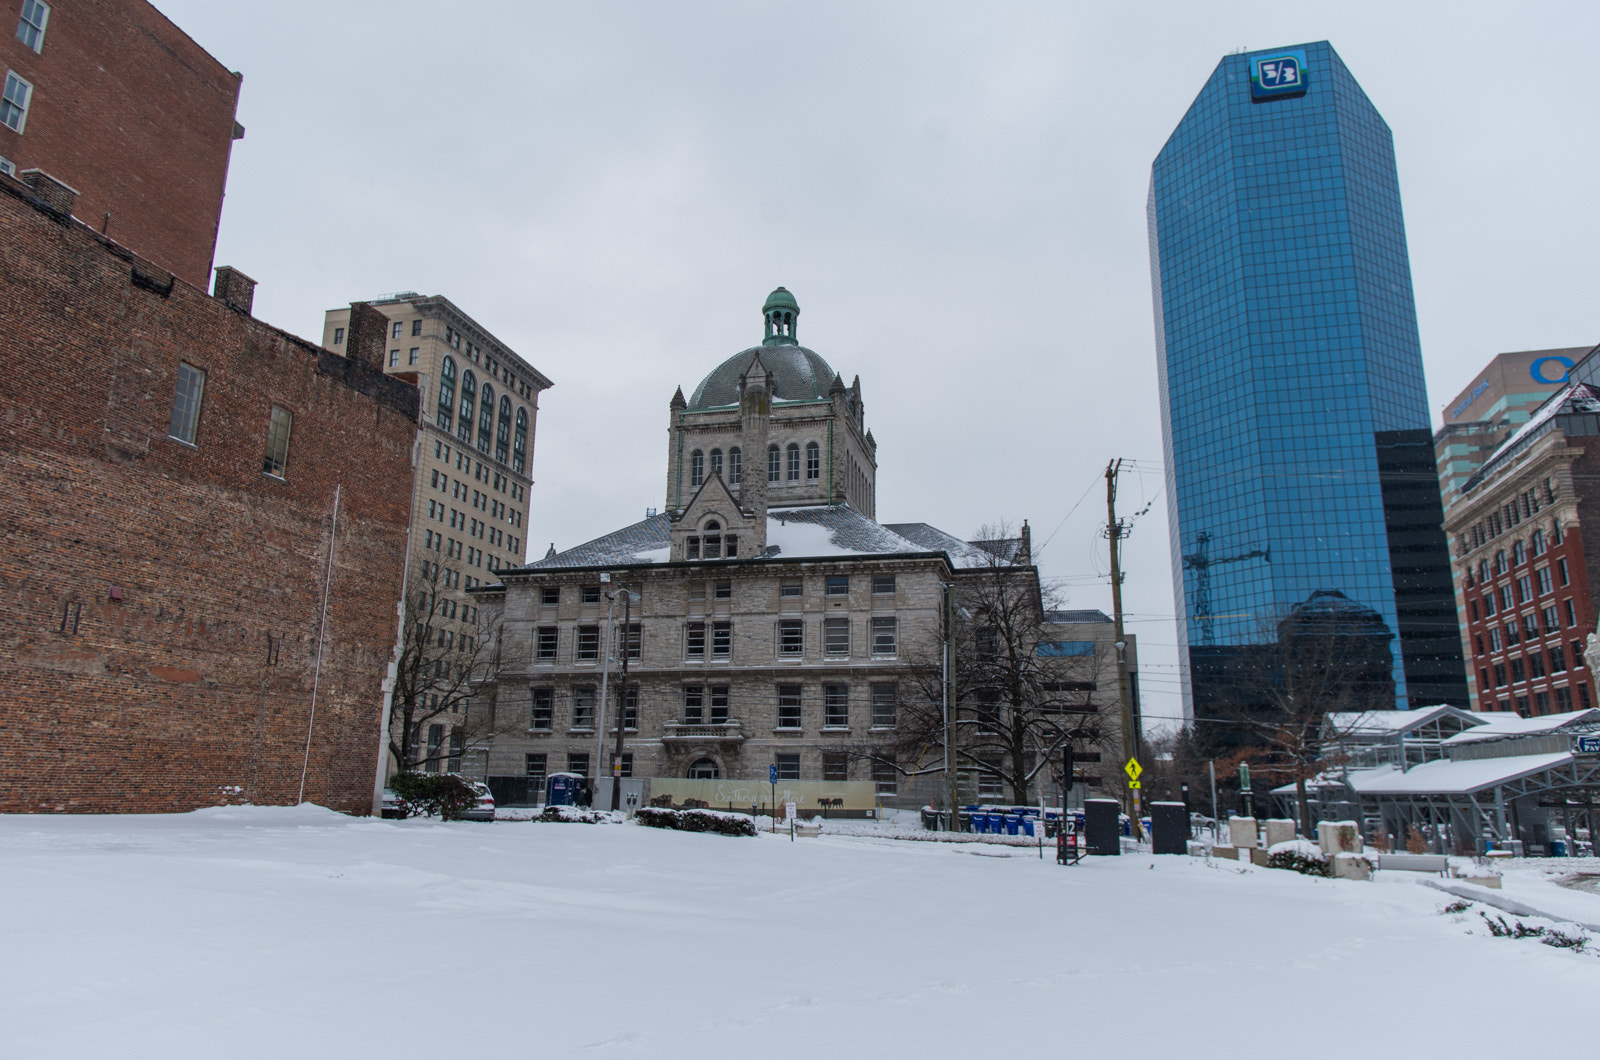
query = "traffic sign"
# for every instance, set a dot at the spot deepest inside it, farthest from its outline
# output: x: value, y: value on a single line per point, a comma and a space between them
x: 1589, y: 745
x: 1134, y: 785
x: 772, y: 773
x: 1134, y: 770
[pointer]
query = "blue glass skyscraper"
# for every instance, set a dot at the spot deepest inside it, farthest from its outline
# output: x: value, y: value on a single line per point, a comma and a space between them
x: 1300, y: 472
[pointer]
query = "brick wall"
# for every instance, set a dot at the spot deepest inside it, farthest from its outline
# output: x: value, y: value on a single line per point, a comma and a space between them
x: 137, y: 117
x: 159, y: 638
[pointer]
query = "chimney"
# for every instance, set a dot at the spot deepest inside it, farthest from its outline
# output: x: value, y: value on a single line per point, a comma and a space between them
x: 234, y: 289
x: 367, y: 336
x: 56, y: 196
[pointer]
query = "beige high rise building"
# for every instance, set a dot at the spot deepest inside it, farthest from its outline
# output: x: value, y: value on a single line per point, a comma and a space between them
x: 469, y: 512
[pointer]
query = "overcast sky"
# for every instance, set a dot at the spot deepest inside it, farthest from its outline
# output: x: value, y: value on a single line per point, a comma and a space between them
x: 955, y: 193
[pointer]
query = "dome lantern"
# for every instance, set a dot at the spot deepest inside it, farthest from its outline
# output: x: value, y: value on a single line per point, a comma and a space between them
x: 781, y: 311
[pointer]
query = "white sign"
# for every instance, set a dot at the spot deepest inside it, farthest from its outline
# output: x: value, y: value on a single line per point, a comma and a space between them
x: 789, y: 811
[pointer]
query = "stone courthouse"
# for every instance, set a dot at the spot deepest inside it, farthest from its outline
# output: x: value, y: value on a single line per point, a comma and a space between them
x: 776, y: 623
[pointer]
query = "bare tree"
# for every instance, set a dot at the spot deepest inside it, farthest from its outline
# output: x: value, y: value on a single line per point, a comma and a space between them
x: 1016, y: 701
x: 444, y: 657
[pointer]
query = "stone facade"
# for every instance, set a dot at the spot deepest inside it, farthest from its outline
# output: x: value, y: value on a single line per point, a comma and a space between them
x: 135, y: 116
x: 176, y: 474
x: 775, y: 622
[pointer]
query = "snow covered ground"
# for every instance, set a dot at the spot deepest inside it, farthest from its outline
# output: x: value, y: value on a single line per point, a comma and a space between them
x: 258, y: 932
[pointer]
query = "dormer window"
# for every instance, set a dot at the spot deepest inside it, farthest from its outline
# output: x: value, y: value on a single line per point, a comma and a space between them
x: 711, y: 540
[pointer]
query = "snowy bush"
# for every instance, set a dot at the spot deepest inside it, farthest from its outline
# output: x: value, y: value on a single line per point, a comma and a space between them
x: 433, y: 794
x: 697, y: 821
x: 1301, y: 856
x: 575, y: 815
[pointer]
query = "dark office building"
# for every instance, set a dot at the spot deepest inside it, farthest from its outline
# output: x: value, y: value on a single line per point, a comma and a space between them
x: 1294, y: 413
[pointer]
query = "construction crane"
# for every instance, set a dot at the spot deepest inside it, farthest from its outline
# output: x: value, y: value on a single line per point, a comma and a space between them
x: 1200, y: 561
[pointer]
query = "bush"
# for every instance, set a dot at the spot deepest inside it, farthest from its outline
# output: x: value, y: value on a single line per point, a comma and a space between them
x: 697, y: 821
x: 433, y: 794
x: 578, y: 815
x: 1300, y: 861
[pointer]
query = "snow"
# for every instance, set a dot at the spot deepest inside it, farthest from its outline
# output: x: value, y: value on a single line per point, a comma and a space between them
x: 1445, y: 776
x: 1508, y: 723
x: 271, y: 932
x: 804, y: 539
x: 654, y: 555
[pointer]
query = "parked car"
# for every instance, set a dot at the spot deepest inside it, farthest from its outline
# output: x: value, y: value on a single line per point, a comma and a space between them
x: 484, y: 810
x: 394, y: 807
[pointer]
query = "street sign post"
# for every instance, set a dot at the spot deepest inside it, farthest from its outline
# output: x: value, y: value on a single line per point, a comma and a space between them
x: 772, y: 778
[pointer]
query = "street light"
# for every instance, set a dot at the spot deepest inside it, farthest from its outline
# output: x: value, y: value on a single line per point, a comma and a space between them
x: 628, y: 597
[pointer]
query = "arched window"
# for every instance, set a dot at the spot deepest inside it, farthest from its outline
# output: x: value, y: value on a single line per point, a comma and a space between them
x: 697, y: 469
x: 469, y: 403
x: 486, y: 419
x: 711, y: 540
x: 716, y: 461
x: 502, y: 431
x: 704, y: 769
x: 774, y: 463
x: 813, y: 461
x: 447, y: 393
x: 519, y: 450
x: 793, y: 462
x: 735, y: 466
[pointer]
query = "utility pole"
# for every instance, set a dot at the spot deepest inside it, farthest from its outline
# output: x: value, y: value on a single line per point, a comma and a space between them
x: 622, y: 698
x: 1115, y: 531
x: 946, y: 679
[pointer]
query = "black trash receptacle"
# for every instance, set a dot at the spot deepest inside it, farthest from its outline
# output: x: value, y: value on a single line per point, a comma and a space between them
x: 1101, y: 827
x: 1169, y: 828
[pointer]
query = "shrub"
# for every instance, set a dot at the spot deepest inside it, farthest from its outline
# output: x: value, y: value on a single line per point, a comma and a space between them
x: 1299, y: 861
x: 578, y: 815
x: 697, y: 821
x: 433, y: 794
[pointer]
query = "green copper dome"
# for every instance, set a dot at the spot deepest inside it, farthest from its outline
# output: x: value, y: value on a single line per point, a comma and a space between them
x: 781, y: 299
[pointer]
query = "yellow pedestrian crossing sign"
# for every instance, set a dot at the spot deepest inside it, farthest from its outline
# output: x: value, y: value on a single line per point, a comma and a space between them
x: 1134, y: 770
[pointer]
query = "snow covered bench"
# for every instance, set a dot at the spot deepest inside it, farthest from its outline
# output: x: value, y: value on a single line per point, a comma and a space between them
x: 1415, y: 862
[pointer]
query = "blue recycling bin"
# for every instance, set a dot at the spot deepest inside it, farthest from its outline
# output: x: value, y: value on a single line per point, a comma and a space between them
x: 1558, y: 848
x: 1027, y: 826
x: 1013, y: 824
x: 980, y: 822
x: 997, y: 823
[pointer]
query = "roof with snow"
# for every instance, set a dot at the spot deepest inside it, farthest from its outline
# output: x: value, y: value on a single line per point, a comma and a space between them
x: 1441, y: 777
x: 1064, y: 617
x: 1378, y: 722
x: 1574, y: 398
x: 1502, y: 724
x: 792, y: 533
x: 961, y: 553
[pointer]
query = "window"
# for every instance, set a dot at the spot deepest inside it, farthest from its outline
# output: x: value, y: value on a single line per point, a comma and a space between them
x: 1518, y: 671
x: 793, y: 462
x: 1552, y: 622
x: 813, y: 462
x: 394, y: 358
x: 625, y: 768
x: 723, y: 591
x: 789, y: 709
x: 719, y: 704
x: 774, y: 464
x: 544, y: 709
x: 1563, y: 700
x: 588, y: 643
x: 735, y: 466
x: 1530, y: 626
x: 591, y: 594
x: 630, y: 707
x: 1488, y: 603
x: 435, y: 744
x: 1558, y: 658
x: 1561, y: 572
x: 1542, y: 576
x: 1513, y: 632
x: 883, y: 585
x: 502, y: 432
x: 1524, y: 589
x: 30, y: 28
x: 550, y: 595
x: 1577, y: 655
x: 704, y: 769
x: 578, y: 762
x: 788, y: 590
x: 838, y: 585
x: 14, y: 105
x: 697, y: 590
x: 277, y: 442
x: 1500, y: 562
x: 447, y: 393
x: 712, y: 540
x: 1519, y: 554
x: 1536, y: 664
x: 1473, y: 608
x: 883, y: 636
x: 721, y: 640
x: 1505, y: 597
x: 1499, y: 675
x: 989, y: 785
x: 1536, y: 543
x: 416, y: 327
x: 338, y: 336
x: 791, y: 636
x: 533, y: 767
x: 486, y: 419
x: 694, y: 704
x: 1572, y: 613
x: 633, y: 639
x: 884, y: 774
x: 694, y: 640
x: 1583, y: 697
x: 836, y: 636
x: 395, y: 329
x: 186, y: 404
x: 469, y: 401
x: 519, y: 445
x: 716, y: 461
x: 836, y: 706
x: 788, y: 766
x: 835, y: 766
x: 697, y: 468
x: 583, y: 707
x: 883, y: 706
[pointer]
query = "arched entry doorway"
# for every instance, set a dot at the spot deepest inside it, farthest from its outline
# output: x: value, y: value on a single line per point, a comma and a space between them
x: 704, y: 769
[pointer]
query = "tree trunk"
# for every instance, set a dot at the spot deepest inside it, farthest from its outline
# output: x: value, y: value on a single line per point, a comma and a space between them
x: 1304, y: 806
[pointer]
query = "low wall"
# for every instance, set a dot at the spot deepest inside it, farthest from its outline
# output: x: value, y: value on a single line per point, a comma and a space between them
x: 847, y: 798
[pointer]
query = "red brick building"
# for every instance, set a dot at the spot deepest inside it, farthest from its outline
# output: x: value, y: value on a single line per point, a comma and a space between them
x: 176, y: 473
x: 112, y: 99
x: 1522, y: 570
